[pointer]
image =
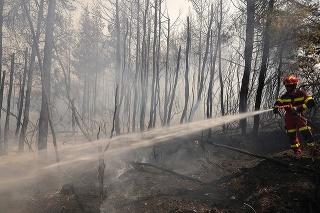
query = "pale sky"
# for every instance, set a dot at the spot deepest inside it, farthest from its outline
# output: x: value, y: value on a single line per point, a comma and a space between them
x: 177, y: 6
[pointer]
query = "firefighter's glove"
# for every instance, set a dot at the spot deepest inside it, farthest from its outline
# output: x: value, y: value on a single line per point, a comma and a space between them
x: 293, y: 110
x: 276, y: 109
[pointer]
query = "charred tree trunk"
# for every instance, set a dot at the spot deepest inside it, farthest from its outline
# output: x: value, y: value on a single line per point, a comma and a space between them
x: 212, y: 69
x: 22, y: 92
x: 118, y: 65
x: 157, y: 91
x: 1, y: 101
x: 1, y: 36
x: 154, y: 68
x: 30, y: 72
x: 213, y: 56
x: 247, y: 67
x: 201, y: 82
x: 174, y: 87
x: 278, y: 77
x: 220, y: 67
x: 166, y: 98
x: 136, y: 76
x: 186, y: 74
x: 263, y: 69
x: 143, y: 75
x: 44, y: 114
x: 6, y: 127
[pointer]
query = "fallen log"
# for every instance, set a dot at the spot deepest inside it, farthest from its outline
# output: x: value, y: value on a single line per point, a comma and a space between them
x: 167, y: 170
x: 279, y: 162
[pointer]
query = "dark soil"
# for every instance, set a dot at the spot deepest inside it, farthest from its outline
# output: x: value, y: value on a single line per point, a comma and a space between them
x: 183, y: 176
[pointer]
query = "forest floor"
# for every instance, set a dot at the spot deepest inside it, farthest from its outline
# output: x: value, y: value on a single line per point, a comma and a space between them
x: 181, y: 176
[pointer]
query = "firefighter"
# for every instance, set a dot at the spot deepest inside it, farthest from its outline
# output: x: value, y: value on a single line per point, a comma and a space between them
x: 297, y: 101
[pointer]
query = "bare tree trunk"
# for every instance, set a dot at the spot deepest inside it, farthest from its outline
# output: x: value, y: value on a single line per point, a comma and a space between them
x: 213, y: 57
x: 212, y: 69
x: 186, y: 74
x: 30, y: 72
x: 201, y: 84
x: 247, y: 67
x: 118, y: 65
x: 166, y: 98
x: 1, y: 36
x: 85, y: 101
x: 128, y: 92
x: 157, y: 89
x: 95, y: 85
x: 220, y: 68
x: 1, y: 101
x: 22, y: 92
x: 263, y: 69
x: 47, y: 62
x: 143, y: 76
x: 44, y: 114
x: 154, y: 68
x: 278, y: 77
x: 125, y: 69
x: 174, y: 87
x: 6, y: 127
x: 136, y: 76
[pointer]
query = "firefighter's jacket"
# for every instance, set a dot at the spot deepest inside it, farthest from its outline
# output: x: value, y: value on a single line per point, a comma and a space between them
x: 298, y: 98
x: 293, y: 123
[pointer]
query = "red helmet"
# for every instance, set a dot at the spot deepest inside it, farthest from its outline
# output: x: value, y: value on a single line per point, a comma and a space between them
x: 290, y: 80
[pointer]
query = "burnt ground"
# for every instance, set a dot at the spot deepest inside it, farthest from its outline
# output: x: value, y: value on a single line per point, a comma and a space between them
x: 182, y: 176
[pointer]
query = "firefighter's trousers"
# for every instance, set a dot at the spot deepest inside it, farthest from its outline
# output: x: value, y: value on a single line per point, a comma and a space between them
x: 296, y: 123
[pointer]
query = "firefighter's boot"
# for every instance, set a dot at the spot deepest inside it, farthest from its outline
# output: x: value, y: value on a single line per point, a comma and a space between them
x: 295, y: 144
x: 295, y: 147
x: 297, y: 150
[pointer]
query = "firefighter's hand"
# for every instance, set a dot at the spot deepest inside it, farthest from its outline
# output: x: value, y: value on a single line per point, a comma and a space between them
x: 293, y: 110
x: 276, y: 109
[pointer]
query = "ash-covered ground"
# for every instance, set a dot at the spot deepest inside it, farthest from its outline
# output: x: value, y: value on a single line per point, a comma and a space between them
x: 185, y: 174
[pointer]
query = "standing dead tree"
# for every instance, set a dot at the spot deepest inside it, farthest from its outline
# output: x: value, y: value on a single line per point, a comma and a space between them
x: 102, y: 165
x: 154, y: 68
x: 204, y: 62
x: 21, y: 101
x: 144, y: 68
x: 1, y: 99
x: 45, y: 77
x: 118, y: 63
x: 220, y: 66
x: 166, y: 94
x: 45, y: 112
x: 34, y: 52
x: 247, y: 58
x: 137, y: 67
x: 186, y: 74
x: 263, y: 69
x: 174, y: 87
x: 1, y: 36
x: 6, y: 127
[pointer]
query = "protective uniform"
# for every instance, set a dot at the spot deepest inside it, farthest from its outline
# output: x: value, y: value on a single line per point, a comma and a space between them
x: 294, y: 119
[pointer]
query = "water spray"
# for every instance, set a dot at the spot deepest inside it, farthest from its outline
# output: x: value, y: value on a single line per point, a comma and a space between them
x: 158, y: 135
x: 20, y: 169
